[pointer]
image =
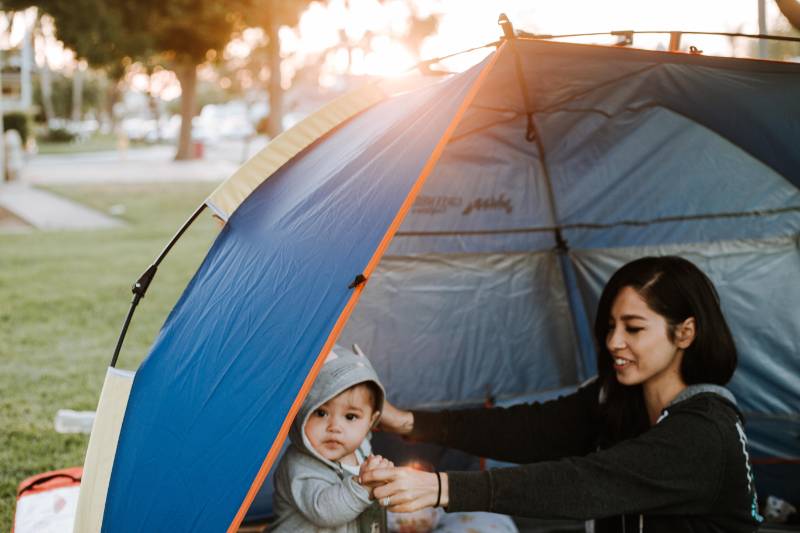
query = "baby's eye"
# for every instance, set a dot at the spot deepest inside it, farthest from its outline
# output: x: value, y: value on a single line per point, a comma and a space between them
x: 351, y: 417
x: 320, y: 412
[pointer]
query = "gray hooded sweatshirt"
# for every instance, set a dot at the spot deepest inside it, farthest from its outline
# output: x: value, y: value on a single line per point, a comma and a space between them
x: 311, y: 492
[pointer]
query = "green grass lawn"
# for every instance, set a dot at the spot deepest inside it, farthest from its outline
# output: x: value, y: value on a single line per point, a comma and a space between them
x: 95, y: 143
x: 63, y: 297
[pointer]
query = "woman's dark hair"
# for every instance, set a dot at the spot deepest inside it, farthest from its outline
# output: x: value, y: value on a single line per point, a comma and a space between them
x: 675, y: 289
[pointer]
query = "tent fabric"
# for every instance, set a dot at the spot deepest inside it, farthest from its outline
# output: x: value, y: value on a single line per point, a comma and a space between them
x: 632, y: 153
x: 100, y: 454
x: 232, y: 192
x: 407, y: 306
x: 209, y: 400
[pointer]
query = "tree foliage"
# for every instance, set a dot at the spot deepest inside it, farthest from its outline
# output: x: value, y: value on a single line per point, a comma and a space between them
x: 98, y: 31
x: 179, y: 34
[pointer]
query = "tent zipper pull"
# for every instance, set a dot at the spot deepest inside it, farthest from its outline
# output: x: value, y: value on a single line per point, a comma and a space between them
x: 357, y: 281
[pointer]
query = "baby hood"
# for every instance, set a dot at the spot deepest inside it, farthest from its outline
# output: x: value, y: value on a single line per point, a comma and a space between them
x: 342, y: 369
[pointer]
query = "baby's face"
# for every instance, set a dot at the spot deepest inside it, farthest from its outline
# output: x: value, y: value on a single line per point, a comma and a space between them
x: 339, y: 425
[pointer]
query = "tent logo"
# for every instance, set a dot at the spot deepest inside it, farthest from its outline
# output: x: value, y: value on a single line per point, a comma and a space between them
x: 432, y: 205
x: 490, y: 203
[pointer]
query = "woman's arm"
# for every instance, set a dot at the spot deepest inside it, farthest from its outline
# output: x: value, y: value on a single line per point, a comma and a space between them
x: 521, y: 434
x: 672, y: 468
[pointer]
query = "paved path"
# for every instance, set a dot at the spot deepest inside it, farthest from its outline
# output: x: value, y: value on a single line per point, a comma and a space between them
x: 47, y: 211
x: 136, y: 165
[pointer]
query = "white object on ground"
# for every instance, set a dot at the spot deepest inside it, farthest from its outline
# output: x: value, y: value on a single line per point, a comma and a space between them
x: 51, y: 511
x: 69, y: 421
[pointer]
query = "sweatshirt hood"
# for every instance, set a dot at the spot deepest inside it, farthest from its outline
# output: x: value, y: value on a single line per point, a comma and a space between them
x: 702, y: 388
x: 342, y: 369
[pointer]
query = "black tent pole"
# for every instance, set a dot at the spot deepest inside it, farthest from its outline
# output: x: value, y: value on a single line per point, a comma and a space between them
x: 532, y: 133
x: 140, y: 287
x: 576, y: 306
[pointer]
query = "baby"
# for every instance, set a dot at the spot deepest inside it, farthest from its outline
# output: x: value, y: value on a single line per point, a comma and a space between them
x: 316, y: 481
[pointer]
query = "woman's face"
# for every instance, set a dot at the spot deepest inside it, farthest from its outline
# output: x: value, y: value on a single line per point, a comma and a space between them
x: 639, y: 343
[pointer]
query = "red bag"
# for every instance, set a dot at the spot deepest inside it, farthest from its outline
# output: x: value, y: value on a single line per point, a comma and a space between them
x: 46, y: 502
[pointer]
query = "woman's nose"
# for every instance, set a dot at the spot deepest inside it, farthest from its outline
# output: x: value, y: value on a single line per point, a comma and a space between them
x: 614, y: 341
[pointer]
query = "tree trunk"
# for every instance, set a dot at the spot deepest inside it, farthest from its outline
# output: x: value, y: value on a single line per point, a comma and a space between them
x: 45, y: 79
x: 111, y: 98
x: 186, y: 71
x: 153, y: 105
x: 47, y: 92
x: 77, y: 93
x: 274, y: 126
x: 790, y: 10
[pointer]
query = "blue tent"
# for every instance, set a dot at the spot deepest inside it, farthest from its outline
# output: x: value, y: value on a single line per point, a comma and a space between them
x: 460, y: 233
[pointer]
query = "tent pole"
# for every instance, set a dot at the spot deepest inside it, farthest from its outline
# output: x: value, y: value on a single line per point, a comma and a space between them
x: 140, y: 287
x: 579, y: 318
x: 630, y: 33
x: 532, y: 134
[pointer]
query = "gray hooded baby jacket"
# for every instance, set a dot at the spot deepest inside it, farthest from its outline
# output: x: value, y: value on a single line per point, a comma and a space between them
x: 311, y: 492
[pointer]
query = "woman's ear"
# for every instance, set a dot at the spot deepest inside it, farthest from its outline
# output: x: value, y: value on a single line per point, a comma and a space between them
x: 685, y: 333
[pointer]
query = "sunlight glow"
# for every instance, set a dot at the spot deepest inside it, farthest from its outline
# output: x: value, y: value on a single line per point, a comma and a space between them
x: 338, y: 39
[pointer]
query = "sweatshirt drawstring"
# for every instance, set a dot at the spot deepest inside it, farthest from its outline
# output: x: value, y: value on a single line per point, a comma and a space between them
x: 641, y: 523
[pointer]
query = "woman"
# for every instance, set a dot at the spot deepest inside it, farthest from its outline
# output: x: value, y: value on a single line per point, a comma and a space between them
x: 654, y: 444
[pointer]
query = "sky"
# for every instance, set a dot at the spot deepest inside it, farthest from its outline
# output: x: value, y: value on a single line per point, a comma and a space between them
x: 463, y: 24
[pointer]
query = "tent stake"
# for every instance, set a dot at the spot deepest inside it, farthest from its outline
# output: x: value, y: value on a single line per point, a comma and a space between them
x: 140, y: 287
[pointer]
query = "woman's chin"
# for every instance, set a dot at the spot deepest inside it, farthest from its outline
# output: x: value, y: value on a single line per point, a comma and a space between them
x: 628, y: 378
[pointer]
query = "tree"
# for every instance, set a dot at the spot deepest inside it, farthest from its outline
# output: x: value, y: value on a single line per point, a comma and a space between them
x: 180, y: 33
x: 270, y: 15
x: 106, y: 39
x: 185, y: 33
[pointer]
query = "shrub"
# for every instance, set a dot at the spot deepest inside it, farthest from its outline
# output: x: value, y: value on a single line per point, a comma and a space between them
x: 17, y: 120
x: 59, y: 135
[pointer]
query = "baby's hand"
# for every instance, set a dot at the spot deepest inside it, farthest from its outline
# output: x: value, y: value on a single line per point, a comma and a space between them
x: 373, y: 462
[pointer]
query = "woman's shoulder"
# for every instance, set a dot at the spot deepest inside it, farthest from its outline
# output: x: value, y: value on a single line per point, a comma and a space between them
x: 713, y: 401
x: 706, y: 412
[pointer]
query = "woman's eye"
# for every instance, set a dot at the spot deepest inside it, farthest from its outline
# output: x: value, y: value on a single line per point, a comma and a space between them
x: 633, y: 330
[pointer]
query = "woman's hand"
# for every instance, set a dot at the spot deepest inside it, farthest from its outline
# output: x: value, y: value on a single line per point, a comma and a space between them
x: 405, y: 490
x: 394, y: 420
